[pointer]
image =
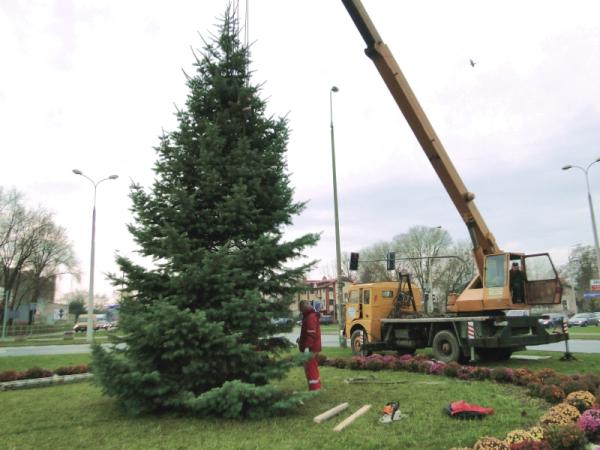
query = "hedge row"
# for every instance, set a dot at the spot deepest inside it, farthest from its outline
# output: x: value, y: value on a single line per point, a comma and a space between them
x: 38, y: 372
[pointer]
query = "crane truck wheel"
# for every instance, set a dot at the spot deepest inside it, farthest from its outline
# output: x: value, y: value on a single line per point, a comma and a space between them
x: 357, y: 341
x: 445, y: 347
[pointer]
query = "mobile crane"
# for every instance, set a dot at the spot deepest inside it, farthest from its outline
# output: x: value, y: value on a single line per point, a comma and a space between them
x: 477, y: 318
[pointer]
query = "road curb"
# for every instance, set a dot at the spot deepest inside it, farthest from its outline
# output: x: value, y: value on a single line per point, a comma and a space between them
x: 43, y: 382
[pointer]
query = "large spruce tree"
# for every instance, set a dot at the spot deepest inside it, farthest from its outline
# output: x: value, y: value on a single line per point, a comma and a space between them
x: 197, y: 325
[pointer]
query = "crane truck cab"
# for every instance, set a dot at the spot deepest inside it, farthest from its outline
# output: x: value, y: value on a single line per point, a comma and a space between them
x: 367, y: 303
x: 538, y: 283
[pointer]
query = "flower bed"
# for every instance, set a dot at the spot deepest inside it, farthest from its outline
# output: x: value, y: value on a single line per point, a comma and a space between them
x: 568, y: 425
x: 37, y: 372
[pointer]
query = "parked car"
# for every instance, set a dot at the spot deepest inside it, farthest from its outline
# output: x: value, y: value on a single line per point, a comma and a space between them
x: 583, y: 320
x: 282, y: 321
x: 102, y: 325
x: 326, y: 319
x: 552, y: 319
x: 80, y: 327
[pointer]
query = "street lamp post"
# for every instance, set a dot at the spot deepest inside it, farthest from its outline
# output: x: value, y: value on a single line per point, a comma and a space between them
x: 338, y: 254
x: 90, y: 305
x: 594, y: 229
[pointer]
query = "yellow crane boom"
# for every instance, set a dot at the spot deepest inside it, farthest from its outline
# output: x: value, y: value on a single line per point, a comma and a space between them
x: 483, y: 240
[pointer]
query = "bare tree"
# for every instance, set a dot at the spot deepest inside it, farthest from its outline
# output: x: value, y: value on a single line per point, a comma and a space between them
x: 330, y: 270
x: 423, y: 245
x: 33, y: 250
x: 453, y: 274
x: 17, y: 244
x: 372, y: 266
x: 435, y: 263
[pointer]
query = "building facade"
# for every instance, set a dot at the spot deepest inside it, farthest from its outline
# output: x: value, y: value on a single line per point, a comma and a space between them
x: 322, y: 294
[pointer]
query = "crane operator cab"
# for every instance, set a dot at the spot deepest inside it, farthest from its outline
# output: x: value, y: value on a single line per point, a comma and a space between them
x: 511, y: 281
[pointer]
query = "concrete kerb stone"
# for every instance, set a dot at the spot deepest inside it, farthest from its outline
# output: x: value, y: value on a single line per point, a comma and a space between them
x: 46, y: 381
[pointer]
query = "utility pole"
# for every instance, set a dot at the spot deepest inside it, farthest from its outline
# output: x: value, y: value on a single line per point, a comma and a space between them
x: 338, y: 254
x: 90, y: 304
x: 591, y: 206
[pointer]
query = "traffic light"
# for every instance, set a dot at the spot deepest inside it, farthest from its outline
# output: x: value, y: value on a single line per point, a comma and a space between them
x: 391, y: 261
x: 353, y: 261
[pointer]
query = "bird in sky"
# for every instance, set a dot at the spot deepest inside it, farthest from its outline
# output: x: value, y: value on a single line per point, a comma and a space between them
x: 472, y: 63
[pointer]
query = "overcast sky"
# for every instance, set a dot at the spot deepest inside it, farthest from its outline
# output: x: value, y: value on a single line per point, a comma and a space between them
x: 90, y: 85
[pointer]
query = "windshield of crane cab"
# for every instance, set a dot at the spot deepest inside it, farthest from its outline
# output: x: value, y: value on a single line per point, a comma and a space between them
x: 494, y: 271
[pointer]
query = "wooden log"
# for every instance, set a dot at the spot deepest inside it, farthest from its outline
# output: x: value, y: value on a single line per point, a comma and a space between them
x: 331, y: 412
x: 348, y: 420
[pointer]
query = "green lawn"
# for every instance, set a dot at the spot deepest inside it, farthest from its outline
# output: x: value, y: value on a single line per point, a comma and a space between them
x: 592, y: 333
x: 100, y: 336
x: 43, y: 361
x: 78, y: 416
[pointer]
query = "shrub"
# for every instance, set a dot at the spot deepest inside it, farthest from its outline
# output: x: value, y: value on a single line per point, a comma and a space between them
x: 389, y: 361
x: 374, y: 364
x: 71, y: 370
x: 555, y: 381
x: 531, y: 445
x: 490, y: 443
x: 465, y: 372
x: 424, y: 366
x: 516, y: 436
x: 437, y: 368
x: 356, y: 363
x: 574, y: 386
x: 561, y: 414
x: 523, y: 377
x: 592, y: 380
x: 37, y: 372
x: 341, y: 363
x: 535, y: 389
x: 9, y: 375
x: 589, y: 423
x: 552, y: 394
x: 414, y: 365
x: 451, y: 369
x: 537, y: 433
x: 406, y: 358
x: 501, y: 375
x: 400, y: 364
x: 543, y: 374
x: 581, y: 400
x: 565, y: 437
x: 482, y: 373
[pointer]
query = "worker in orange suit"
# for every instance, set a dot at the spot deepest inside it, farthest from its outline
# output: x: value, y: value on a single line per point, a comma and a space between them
x: 310, y: 339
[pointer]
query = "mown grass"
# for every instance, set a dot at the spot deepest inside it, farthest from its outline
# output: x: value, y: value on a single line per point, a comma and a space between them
x: 100, y: 336
x: 589, y: 333
x: 79, y: 416
x: 43, y: 361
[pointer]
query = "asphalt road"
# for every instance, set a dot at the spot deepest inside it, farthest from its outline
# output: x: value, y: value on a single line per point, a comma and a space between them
x: 327, y: 340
